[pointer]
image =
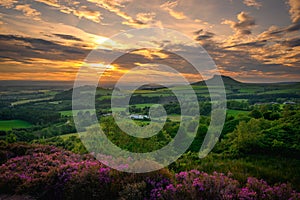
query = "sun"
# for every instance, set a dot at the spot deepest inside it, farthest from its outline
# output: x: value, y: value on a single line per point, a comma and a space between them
x: 110, y: 67
x: 102, y: 66
x: 99, y: 40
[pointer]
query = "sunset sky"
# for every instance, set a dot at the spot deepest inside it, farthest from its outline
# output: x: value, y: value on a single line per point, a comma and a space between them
x: 249, y: 40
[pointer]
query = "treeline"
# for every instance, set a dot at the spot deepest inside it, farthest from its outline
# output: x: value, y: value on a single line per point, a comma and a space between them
x: 37, y: 117
x: 174, y: 108
x: 264, y: 98
x: 37, y: 132
x: 238, y: 105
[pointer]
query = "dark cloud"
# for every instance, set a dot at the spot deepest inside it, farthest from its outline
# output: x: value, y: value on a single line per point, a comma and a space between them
x: 240, y: 61
x: 129, y: 60
x: 135, y: 21
x: 26, y: 48
x: 244, y: 25
x: 276, y: 32
x: 245, y: 32
x: 68, y: 37
x: 245, y: 21
x: 292, y: 42
x: 203, y: 35
x: 260, y: 43
x: 7, y: 58
x: 198, y: 32
x: 284, y: 30
x: 29, y: 40
x: 296, y: 56
x: 293, y: 27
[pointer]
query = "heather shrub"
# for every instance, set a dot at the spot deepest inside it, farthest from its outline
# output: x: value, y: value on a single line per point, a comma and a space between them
x: 89, y: 181
x: 200, y: 185
x: 133, y: 191
x: 259, y: 189
x: 46, y: 172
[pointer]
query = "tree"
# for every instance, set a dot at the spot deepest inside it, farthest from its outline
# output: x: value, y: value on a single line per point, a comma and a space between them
x: 248, y: 136
x: 11, y: 138
x: 256, y: 114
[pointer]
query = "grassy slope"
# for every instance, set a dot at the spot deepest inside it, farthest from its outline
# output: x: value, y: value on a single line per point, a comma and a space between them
x: 235, y: 113
x: 69, y: 113
x: 6, y: 125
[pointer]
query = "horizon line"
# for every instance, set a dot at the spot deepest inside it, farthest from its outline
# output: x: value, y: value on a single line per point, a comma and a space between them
x: 109, y: 83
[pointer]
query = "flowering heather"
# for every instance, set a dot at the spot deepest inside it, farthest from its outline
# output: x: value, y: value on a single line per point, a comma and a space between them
x: 52, y: 171
x: 200, y: 185
x: 46, y: 172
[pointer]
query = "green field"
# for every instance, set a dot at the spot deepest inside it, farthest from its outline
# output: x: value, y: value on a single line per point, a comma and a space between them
x: 142, y: 105
x: 55, y: 102
x: 155, y: 94
x: 236, y: 112
x: 30, y: 100
x: 66, y: 136
x: 175, y: 117
x: 7, y: 125
x: 284, y: 91
x: 69, y: 113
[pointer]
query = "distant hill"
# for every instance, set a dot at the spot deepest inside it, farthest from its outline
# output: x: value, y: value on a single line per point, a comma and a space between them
x: 35, y: 85
x: 229, y: 81
x: 213, y: 81
x: 151, y: 87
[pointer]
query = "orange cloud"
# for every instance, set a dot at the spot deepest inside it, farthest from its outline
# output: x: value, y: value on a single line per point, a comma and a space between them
x: 28, y: 11
x: 295, y: 10
x: 112, y: 6
x: 8, y: 3
x: 38, y: 69
x: 54, y: 3
x: 150, y: 53
x: 243, y: 26
x: 145, y: 17
x: 253, y: 3
x: 84, y: 12
x: 169, y: 7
